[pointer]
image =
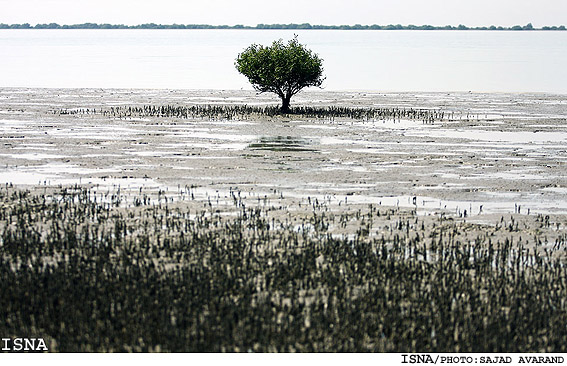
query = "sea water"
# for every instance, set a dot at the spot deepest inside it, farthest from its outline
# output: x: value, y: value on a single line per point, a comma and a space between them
x: 401, y: 60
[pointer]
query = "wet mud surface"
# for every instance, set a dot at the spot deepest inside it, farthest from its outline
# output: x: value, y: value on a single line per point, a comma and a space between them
x: 490, y: 153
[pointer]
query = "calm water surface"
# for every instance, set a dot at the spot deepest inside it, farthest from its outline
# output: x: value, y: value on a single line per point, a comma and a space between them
x: 353, y: 60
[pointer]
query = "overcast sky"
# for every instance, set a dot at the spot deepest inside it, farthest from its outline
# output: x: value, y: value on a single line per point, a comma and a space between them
x: 252, y: 12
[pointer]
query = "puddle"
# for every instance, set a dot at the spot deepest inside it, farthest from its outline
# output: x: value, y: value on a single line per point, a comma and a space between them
x: 378, y: 151
x: 215, y: 146
x: 51, y: 174
x: 23, y: 177
x: 393, y: 124
x: 58, y: 169
x: 340, y: 141
x: 523, y: 137
x: 562, y: 190
x: 127, y: 183
x: 360, y: 169
x: 322, y: 127
x: 212, y: 136
x: 150, y: 153
x: 198, y: 157
x: 34, y: 156
x: 44, y: 178
x: 515, y: 175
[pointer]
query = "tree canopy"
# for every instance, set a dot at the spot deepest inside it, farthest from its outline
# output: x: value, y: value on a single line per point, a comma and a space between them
x: 281, y: 68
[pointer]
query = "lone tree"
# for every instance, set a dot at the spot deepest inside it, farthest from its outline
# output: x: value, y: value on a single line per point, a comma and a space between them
x: 281, y: 69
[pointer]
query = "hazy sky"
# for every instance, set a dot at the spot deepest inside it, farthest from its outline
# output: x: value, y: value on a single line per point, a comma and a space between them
x: 252, y: 12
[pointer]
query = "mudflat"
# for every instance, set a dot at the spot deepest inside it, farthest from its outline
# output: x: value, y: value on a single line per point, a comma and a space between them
x: 397, y: 222
x: 482, y: 156
x: 489, y: 153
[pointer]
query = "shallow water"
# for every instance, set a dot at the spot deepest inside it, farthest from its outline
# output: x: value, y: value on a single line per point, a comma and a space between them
x: 353, y: 60
x: 523, y: 137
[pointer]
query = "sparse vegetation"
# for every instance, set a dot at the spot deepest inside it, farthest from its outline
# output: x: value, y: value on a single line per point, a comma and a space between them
x: 230, y: 112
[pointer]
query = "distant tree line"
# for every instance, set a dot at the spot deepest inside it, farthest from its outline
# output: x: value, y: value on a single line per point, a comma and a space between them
x: 526, y: 27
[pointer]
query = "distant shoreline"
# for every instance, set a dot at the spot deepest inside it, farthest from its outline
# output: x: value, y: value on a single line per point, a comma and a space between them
x: 292, y: 26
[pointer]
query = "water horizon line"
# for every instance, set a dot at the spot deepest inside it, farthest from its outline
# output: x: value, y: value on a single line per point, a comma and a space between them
x: 278, y: 26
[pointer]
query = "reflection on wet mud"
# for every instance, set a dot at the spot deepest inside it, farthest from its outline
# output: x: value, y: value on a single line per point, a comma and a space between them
x: 283, y: 143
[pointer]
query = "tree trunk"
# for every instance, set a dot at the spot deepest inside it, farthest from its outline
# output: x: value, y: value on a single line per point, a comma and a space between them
x: 285, y: 103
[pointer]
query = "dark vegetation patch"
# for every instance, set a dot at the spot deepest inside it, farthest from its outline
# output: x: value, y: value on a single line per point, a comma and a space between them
x: 230, y: 112
x: 88, y: 274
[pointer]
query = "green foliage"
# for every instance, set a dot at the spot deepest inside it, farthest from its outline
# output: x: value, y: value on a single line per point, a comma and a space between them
x: 281, y: 68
